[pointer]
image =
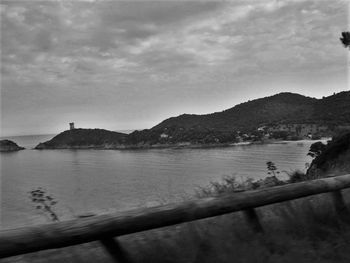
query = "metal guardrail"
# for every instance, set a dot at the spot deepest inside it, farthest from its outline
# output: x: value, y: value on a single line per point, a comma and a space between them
x: 106, y: 227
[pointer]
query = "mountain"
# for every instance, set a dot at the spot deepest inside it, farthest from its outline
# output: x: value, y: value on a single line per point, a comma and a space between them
x: 84, y: 138
x: 218, y: 127
x: 282, y: 108
x: 248, y: 115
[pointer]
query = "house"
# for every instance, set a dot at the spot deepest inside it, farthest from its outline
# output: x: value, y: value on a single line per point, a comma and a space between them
x: 164, y: 136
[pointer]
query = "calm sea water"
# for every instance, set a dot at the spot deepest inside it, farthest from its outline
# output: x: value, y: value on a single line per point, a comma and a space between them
x: 100, y: 181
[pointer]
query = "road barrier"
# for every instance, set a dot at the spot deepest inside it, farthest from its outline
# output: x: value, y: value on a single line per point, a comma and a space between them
x: 105, y: 227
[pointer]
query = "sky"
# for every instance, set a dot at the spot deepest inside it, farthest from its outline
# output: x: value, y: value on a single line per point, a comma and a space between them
x: 129, y: 65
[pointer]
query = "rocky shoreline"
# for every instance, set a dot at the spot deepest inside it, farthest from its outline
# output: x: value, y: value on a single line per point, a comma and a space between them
x: 138, y: 147
x: 185, y: 145
x: 96, y: 139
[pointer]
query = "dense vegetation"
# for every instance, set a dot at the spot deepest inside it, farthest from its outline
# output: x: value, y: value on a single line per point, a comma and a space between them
x: 223, y: 127
x: 193, y: 135
x: 280, y: 108
x: 333, y: 110
x: 334, y: 158
x: 248, y: 115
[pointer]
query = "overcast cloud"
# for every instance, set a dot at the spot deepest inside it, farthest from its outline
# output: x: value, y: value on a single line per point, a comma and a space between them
x: 128, y: 65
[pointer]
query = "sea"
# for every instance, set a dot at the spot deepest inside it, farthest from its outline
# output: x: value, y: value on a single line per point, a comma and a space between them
x: 85, y: 182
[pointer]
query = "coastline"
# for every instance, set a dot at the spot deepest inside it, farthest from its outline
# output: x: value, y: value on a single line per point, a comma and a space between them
x: 142, y: 147
x: 186, y: 145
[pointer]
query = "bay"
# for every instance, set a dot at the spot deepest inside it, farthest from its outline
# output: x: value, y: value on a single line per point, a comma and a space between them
x: 102, y: 181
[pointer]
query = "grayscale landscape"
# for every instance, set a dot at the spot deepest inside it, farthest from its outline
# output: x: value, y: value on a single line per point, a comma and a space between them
x: 175, y: 131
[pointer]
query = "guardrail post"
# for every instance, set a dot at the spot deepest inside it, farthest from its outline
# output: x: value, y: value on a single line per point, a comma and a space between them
x: 340, y: 206
x: 115, y: 250
x: 253, y: 220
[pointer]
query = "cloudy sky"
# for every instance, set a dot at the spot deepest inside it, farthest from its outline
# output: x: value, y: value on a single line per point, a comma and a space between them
x: 129, y: 65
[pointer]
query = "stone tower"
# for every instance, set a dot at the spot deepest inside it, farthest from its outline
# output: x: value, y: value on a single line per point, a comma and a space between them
x: 71, y: 126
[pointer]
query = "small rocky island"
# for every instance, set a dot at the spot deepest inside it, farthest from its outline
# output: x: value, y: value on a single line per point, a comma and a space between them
x: 9, y: 146
x: 85, y: 139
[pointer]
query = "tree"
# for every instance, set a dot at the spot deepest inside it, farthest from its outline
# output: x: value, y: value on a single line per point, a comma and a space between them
x: 316, y: 149
x: 345, y: 39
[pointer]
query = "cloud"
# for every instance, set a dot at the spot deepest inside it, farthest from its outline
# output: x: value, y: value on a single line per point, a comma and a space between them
x: 141, y: 48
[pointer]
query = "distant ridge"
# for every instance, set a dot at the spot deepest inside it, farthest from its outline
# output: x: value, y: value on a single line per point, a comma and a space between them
x: 219, y: 127
x: 284, y: 107
x: 222, y: 127
x: 248, y: 115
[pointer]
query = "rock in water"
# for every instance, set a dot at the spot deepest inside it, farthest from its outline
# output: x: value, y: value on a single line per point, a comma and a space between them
x: 9, y: 146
